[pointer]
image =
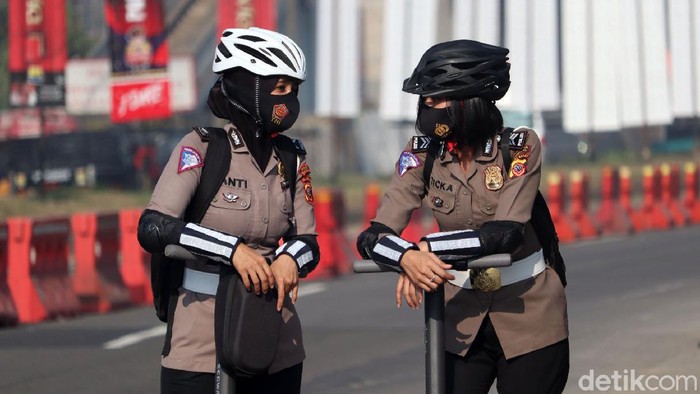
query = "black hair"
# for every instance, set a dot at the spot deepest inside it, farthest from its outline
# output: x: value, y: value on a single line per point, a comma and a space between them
x: 477, y: 120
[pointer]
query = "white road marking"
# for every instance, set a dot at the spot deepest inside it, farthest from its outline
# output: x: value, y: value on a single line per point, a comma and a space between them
x: 135, y: 338
x: 159, y: 331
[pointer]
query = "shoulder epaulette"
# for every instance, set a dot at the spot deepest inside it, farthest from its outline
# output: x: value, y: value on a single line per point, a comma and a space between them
x: 299, y: 146
x: 203, y: 133
x: 420, y: 143
x: 517, y: 139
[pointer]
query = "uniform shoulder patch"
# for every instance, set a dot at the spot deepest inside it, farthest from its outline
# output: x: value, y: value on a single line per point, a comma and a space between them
x: 420, y: 143
x: 299, y: 146
x: 189, y: 159
x: 202, y: 132
x: 517, y: 139
x: 407, y: 161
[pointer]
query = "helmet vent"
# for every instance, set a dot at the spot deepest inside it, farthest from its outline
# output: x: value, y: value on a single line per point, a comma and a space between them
x: 283, y: 57
x: 224, y: 51
x: 295, y: 50
x: 256, y: 54
x: 252, y: 38
x: 226, y: 33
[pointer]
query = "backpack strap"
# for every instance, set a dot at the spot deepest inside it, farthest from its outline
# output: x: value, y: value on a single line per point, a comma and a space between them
x: 216, y: 165
x: 289, y: 149
x: 505, y: 149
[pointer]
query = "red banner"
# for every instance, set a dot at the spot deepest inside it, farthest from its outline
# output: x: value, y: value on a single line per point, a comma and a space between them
x: 37, y: 49
x: 247, y: 13
x: 137, y: 35
x: 149, y: 99
x: 139, y: 58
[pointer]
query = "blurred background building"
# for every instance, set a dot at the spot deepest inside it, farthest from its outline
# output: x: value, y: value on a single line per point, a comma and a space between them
x: 592, y: 76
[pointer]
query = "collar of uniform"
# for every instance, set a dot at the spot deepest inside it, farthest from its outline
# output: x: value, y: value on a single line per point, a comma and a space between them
x: 488, y: 154
x: 237, y: 141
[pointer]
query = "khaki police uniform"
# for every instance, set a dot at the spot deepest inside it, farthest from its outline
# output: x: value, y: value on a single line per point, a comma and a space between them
x: 527, y: 315
x: 252, y: 204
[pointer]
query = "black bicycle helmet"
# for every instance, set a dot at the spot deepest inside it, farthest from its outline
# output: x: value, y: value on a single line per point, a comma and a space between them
x: 461, y: 69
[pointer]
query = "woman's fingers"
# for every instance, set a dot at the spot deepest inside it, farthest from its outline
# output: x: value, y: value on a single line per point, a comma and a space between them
x: 399, y: 290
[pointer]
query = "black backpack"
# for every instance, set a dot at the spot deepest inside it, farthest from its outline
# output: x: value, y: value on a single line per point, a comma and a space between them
x: 540, y: 217
x: 167, y: 273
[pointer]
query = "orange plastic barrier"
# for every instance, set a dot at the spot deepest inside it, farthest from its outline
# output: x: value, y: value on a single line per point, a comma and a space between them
x: 578, y: 212
x: 326, y: 227
x: 372, y: 200
x: 135, y: 263
x: 8, y: 312
x: 96, y: 279
x: 414, y: 230
x: 38, y: 274
x: 345, y: 249
x: 670, y: 194
x: 651, y: 215
x: 611, y: 214
x: 565, y: 228
x: 690, y: 199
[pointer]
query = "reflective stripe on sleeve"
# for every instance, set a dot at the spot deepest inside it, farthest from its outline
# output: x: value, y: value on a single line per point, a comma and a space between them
x: 389, y: 250
x: 460, y: 243
x: 298, y: 250
x: 209, y: 243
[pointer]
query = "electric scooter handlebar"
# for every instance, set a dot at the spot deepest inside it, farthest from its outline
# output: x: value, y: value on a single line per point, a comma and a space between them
x: 493, y: 260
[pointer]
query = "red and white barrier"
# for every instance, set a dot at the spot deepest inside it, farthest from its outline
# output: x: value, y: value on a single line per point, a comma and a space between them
x: 611, y: 214
x: 566, y: 230
x: 38, y: 273
x: 8, y: 312
x: 135, y: 265
x: 96, y: 278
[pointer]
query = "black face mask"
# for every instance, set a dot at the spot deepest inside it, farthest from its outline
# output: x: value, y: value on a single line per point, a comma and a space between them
x: 278, y: 113
x: 435, y: 122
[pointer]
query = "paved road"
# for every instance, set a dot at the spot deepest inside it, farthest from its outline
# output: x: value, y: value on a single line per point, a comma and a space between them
x: 634, y: 304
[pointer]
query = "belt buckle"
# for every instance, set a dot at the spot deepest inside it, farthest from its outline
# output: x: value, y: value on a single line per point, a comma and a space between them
x: 486, y: 279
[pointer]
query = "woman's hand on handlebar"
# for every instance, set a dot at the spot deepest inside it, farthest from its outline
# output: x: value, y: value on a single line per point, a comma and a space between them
x: 253, y: 269
x: 425, y: 269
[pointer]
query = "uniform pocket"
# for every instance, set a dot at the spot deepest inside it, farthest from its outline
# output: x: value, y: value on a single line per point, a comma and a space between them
x: 488, y: 207
x: 284, y: 202
x: 441, y: 202
x: 229, y: 198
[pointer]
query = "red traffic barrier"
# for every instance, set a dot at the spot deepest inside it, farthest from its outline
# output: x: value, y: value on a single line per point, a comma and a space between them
x: 8, y: 312
x: 578, y: 211
x: 326, y: 227
x: 135, y: 266
x: 651, y: 215
x: 670, y: 194
x: 372, y: 200
x: 38, y: 274
x: 344, y: 248
x: 369, y: 212
x: 566, y: 230
x: 690, y: 198
x: 611, y: 214
x: 414, y: 231
x: 96, y: 279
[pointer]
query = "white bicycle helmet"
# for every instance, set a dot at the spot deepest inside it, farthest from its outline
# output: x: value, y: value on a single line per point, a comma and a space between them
x: 262, y: 52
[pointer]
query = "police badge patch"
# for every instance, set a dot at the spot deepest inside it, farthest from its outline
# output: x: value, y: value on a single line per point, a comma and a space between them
x: 407, y: 161
x: 189, y: 159
x: 493, y: 178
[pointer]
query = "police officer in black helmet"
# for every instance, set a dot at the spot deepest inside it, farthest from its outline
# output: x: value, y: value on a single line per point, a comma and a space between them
x: 507, y: 325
